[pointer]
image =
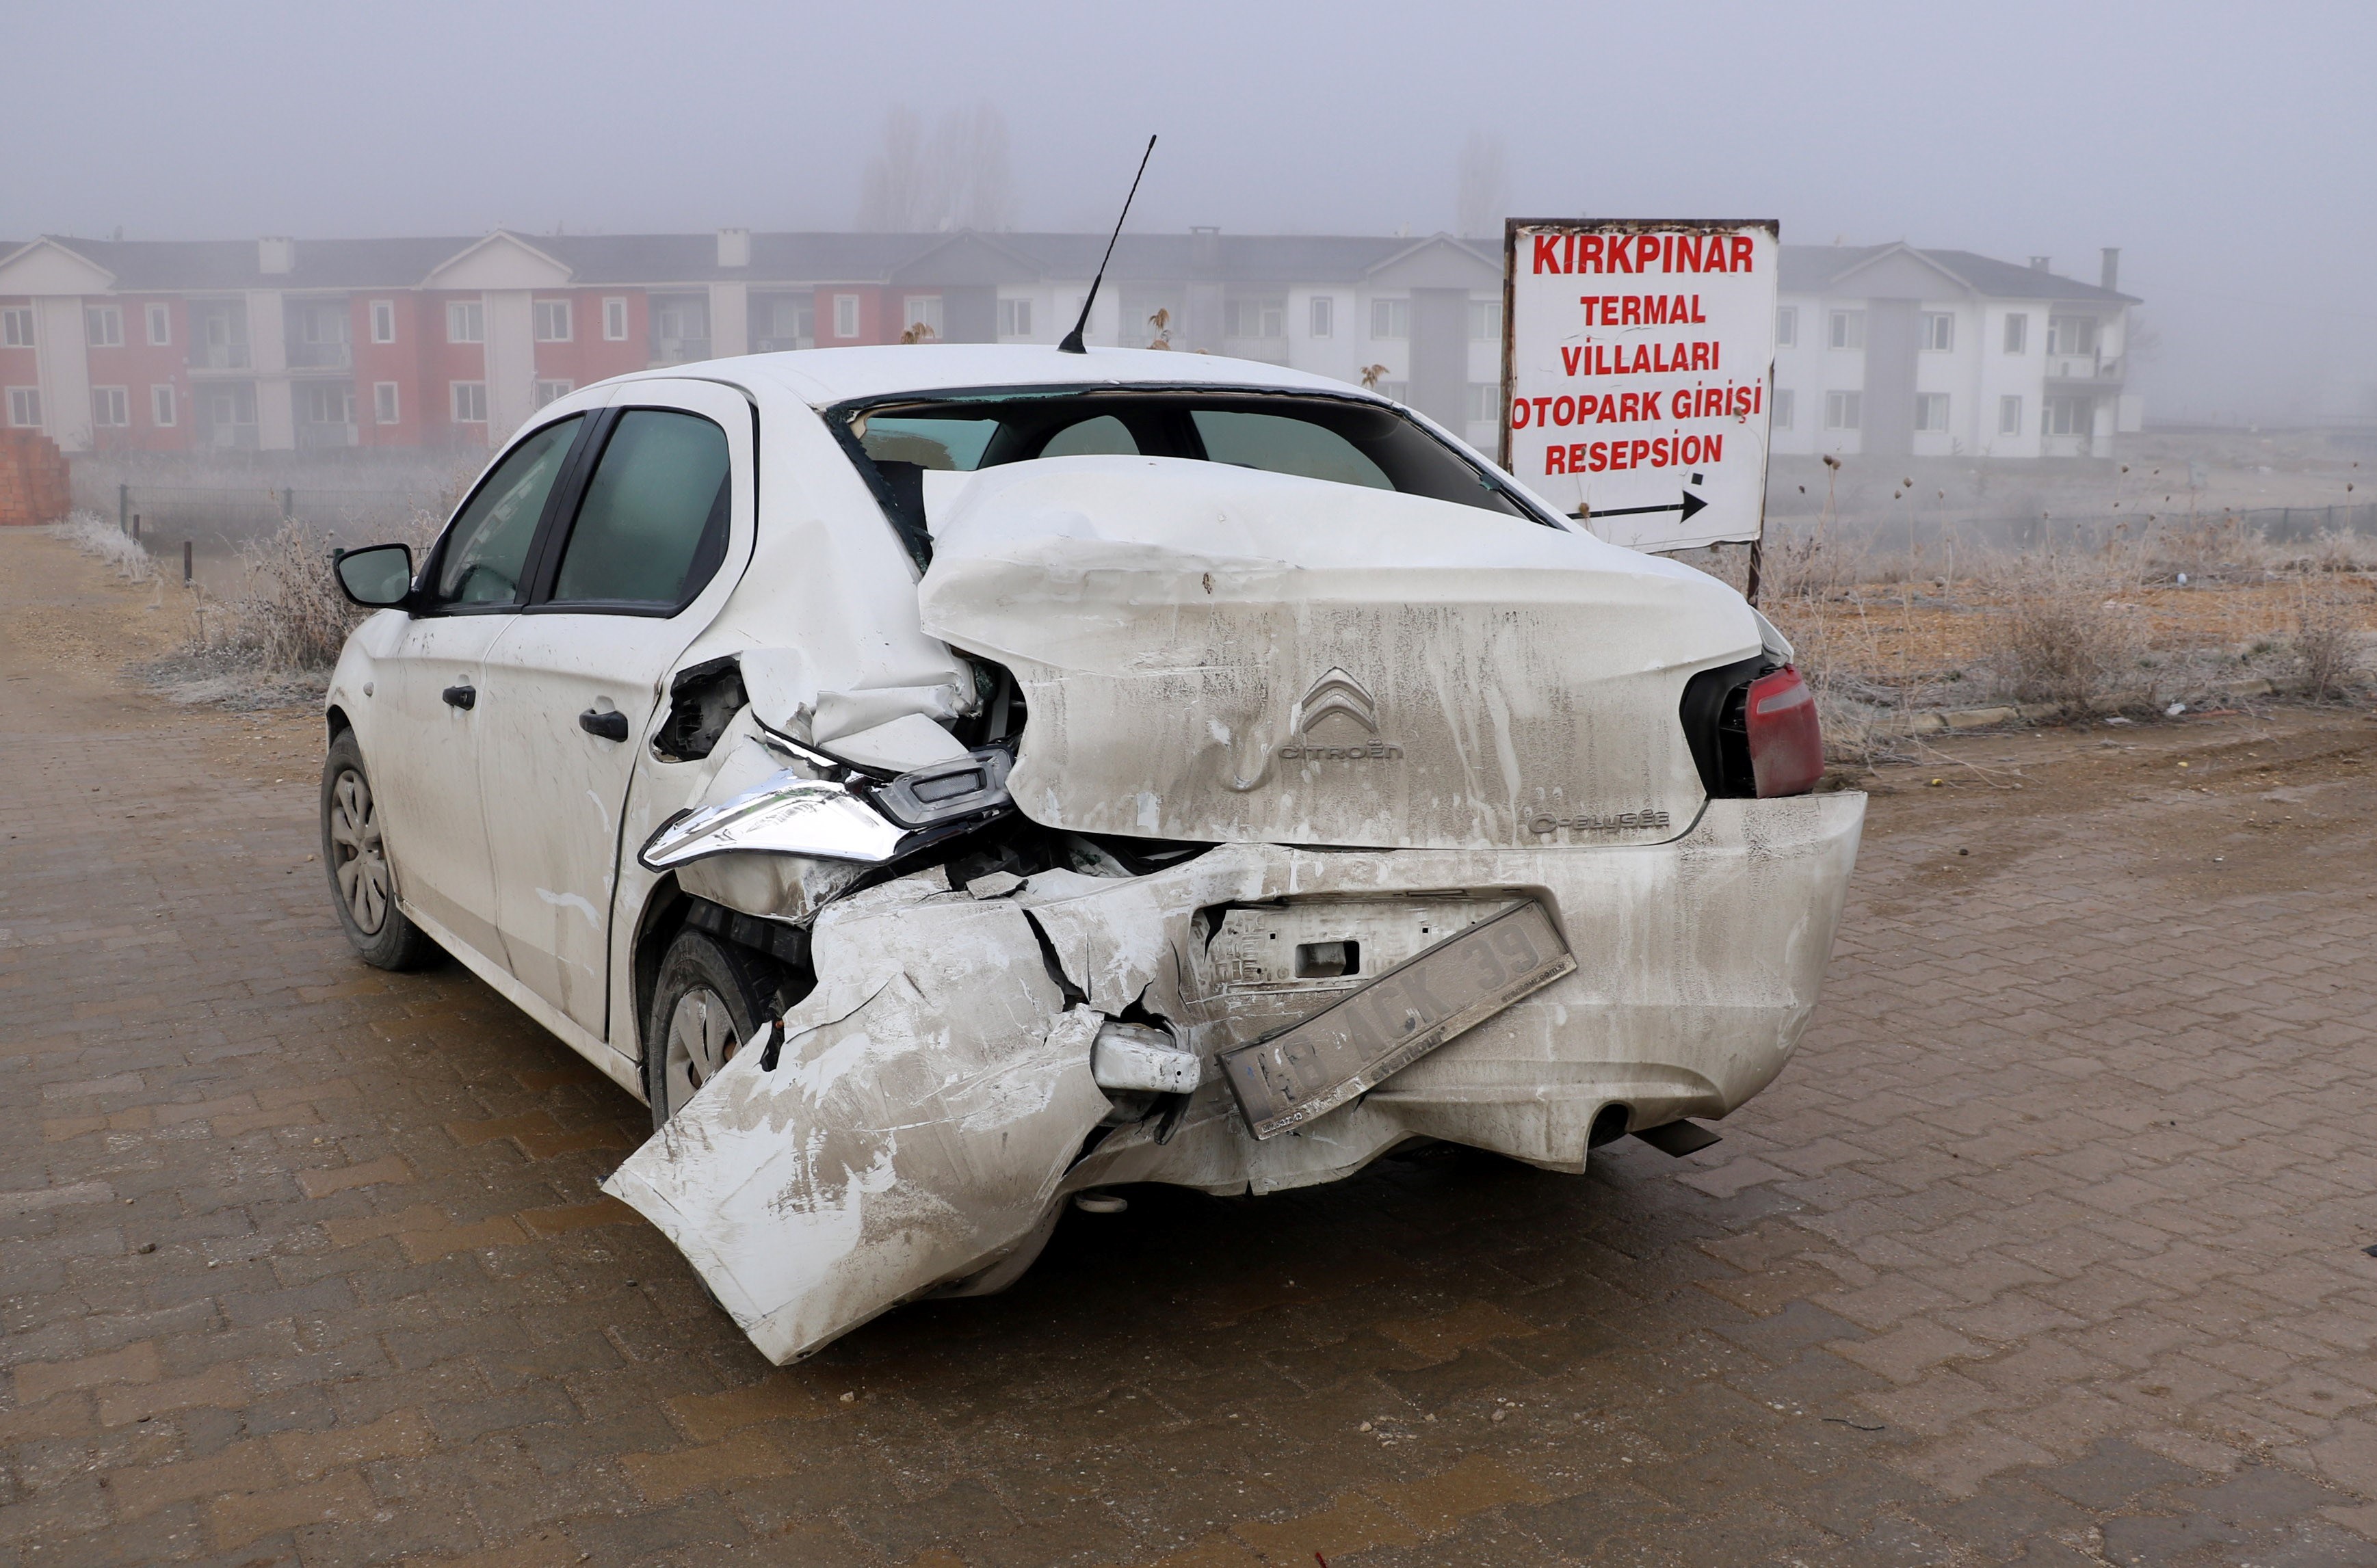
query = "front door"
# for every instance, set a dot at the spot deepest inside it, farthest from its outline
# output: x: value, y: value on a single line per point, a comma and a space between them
x: 575, y: 686
x: 424, y: 738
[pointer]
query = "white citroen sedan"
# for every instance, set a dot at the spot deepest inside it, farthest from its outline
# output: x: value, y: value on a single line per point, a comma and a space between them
x: 944, y: 779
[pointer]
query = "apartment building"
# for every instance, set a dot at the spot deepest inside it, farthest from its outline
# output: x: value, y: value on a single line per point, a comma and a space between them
x: 281, y: 344
x: 1888, y: 350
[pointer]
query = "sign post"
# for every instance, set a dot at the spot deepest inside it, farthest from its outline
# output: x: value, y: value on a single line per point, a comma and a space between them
x: 1637, y: 365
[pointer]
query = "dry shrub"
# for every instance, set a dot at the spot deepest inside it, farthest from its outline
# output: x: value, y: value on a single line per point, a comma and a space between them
x: 2327, y: 643
x: 2061, y: 639
x: 94, y: 535
x: 291, y: 619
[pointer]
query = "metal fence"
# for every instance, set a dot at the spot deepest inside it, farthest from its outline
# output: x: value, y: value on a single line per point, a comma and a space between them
x: 2283, y: 525
x: 221, y: 515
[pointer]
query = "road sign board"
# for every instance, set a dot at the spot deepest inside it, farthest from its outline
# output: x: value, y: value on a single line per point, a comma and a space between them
x: 1637, y: 357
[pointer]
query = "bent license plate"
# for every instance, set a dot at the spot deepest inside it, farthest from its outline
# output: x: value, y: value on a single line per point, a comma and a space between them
x: 1312, y: 1067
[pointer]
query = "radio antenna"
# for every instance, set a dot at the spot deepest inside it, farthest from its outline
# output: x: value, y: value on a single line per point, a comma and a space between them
x: 1072, y: 343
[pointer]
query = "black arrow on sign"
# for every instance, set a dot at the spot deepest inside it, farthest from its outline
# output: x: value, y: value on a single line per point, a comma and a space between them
x: 1688, y: 505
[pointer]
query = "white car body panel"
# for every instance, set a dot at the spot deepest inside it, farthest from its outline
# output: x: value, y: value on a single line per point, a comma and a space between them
x: 1173, y: 626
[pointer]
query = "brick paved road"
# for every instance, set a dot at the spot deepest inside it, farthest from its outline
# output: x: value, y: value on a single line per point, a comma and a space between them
x: 2047, y: 1248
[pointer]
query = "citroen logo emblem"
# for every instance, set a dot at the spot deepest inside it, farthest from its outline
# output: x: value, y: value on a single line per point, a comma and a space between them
x: 1335, y: 692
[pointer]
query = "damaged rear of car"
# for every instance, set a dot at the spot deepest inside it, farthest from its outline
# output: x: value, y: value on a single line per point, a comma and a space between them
x: 1244, y: 779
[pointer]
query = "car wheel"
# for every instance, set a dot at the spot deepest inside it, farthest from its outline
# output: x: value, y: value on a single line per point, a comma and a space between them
x: 708, y: 1001
x: 362, y: 884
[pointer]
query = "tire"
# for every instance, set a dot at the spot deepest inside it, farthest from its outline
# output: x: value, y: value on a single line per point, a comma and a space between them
x: 362, y: 881
x: 710, y: 999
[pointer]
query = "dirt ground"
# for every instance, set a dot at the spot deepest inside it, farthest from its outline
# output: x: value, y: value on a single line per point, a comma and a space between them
x: 2047, y: 1248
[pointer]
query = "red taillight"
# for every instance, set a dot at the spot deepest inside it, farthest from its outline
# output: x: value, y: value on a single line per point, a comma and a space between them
x: 1787, y: 749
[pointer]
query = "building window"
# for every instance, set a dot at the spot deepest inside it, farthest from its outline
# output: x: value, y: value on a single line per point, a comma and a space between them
x: 161, y: 406
x: 614, y: 321
x: 25, y: 407
x: 1399, y: 390
x: 845, y: 316
x: 2070, y: 334
x: 2066, y: 415
x: 1485, y: 321
x: 331, y: 402
x: 1939, y: 331
x: 466, y: 321
x: 17, y: 327
x: 1848, y: 331
x: 1015, y: 318
x: 553, y: 321
x: 921, y: 310
x: 470, y: 402
x: 1781, y: 407
x: 1254, y: 318
x: 110, y: 406
x: 2010, y: 408
x: 2018, y: 335
x: 546, y: 391
x: 103, y: 327
x: 1931, y: 412
x: 384, y: 404
x: 1841, y: 410
x: 160, y: 323
x: 1390, y: 318
x: 1786, y: 326
x: 1485, y: 402
x: 1324, y: 315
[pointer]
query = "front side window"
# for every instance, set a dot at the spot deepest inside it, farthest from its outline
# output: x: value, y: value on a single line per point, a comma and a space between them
x: 547, y: 391
x: 2009, y: 416
x: 1254, y: 318
x: 1485, y: 321
x: 17, y: 327
x: 1848, y: 329
x: 25, y: 408
x: 466, y: 321
x: 486, y: 550
x: 2070, y: 334
x: 614, y: 321
x: 110, y: 406
x: 1389, y: 318
x: 2017, y: 332
x: 1781, y: 407
x: 104, y: 327
x: 470, y: 402
x: 653, y: 528
x: 553, y: 321
x: 160, y: 324
x: 384, y: 402
x: 383, y: 320
x: 921, y: 311
x: 162, y: 406
x: 1324, y: 315
x: 1939, y: 330
x: 1842, y: 410
x: 1786, y: 326
x: 1015, y: 318
x: 845, y: 316
x: 1931, y: 412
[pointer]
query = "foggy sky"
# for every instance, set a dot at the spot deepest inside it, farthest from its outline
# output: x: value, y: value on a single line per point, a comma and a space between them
x: 2228, y: 148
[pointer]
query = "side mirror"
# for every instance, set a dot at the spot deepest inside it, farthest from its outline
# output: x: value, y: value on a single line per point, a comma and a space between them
x: 377, y: 577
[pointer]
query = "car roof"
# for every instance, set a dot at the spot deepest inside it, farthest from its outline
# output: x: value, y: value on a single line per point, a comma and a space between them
x: 822, y: 377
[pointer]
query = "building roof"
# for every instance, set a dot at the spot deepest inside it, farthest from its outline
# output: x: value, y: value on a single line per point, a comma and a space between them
x: 1820, y: 269
x: 659, y: 260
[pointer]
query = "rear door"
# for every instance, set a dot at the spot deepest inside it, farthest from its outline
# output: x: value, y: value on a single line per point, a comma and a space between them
x: 659, y: 530
x: 426, y: 724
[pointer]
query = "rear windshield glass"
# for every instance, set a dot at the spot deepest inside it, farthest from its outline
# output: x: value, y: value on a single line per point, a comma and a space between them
x: 1340, y: 440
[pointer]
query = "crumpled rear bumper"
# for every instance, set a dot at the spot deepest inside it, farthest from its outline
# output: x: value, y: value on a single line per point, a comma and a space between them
x: 933, y: 1104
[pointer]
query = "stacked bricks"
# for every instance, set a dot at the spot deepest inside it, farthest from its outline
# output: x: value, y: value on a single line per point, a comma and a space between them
x: 32, y: 480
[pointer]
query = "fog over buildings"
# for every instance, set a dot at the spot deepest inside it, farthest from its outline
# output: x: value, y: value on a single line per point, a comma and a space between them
x: 2227, y: 149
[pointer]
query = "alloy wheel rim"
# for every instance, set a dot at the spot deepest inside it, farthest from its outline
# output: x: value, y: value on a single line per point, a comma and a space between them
x: 702, y: 1040
x: 361, y: 863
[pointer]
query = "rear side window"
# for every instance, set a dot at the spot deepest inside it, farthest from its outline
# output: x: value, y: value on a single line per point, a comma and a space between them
x: 652, y: 526
x: 486, y: 549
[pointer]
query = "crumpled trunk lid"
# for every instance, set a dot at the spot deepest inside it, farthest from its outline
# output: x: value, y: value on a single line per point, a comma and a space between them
x: 1218, y: 654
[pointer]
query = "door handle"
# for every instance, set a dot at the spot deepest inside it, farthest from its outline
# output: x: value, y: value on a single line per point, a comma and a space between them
x: 464, y: 698
x: 611, y: 726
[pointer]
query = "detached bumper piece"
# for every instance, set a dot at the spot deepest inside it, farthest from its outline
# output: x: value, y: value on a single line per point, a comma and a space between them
x: 1316, y: 1065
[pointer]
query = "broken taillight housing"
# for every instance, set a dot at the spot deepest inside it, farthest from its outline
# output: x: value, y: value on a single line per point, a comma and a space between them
x: 1787, y: 749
